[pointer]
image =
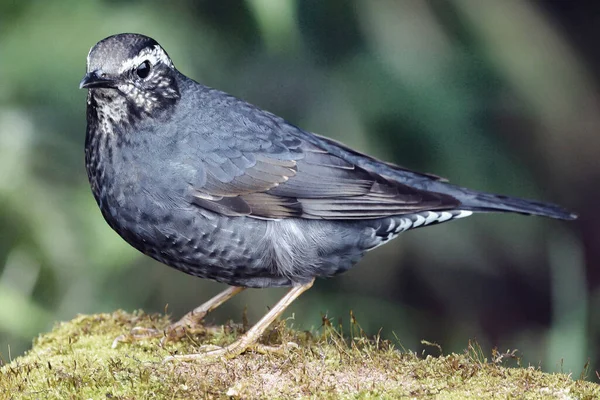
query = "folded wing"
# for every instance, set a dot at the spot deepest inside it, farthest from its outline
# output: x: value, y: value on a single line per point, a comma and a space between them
x: 297, y: 179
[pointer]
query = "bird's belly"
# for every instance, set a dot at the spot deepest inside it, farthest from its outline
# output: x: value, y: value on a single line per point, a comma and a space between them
x: 239, y: 251
x: 199, y: 243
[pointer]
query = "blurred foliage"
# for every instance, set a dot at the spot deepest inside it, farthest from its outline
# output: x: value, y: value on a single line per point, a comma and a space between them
x: 496, y: 95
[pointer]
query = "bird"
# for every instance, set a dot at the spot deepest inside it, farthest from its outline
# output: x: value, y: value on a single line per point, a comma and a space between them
x: 220, y: 189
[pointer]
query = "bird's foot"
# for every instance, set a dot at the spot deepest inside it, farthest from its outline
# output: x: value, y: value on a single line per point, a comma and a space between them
x: 174, y: 332
x: 190, y: 324
x: 249, y: 341
x: 136, y: 334
x: 233, y: 350
x: 182, y: 329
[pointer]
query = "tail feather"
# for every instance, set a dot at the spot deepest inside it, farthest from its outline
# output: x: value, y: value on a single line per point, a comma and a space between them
x: 479, y: 201
x: 492, y: 202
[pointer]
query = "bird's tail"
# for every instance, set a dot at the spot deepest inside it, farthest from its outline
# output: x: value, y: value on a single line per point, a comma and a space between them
x: 479, y: 201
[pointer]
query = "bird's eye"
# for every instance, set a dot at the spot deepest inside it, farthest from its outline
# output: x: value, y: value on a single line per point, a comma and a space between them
x: 143, y: 70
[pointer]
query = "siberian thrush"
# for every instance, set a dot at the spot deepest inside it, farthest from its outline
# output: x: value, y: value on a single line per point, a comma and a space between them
x: 220, y: 189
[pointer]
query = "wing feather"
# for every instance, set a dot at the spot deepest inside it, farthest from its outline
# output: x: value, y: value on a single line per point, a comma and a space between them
x: 297, y: 179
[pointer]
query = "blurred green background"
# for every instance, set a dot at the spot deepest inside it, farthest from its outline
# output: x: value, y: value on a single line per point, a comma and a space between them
x: 496, y: 95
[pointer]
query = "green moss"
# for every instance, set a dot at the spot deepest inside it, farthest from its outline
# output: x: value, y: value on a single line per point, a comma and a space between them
x: 76, y: 360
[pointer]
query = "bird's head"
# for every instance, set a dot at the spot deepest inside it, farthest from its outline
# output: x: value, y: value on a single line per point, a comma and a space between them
x: 134, y: 68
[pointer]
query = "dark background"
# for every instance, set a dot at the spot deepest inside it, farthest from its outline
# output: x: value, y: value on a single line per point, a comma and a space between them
x: 497, y: 95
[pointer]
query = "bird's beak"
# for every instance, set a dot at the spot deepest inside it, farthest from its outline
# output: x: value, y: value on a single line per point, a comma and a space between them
x: 95, y: 79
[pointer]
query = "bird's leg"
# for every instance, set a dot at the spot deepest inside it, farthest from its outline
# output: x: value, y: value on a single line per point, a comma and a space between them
x: 249, y: 339
x: 190, y: 322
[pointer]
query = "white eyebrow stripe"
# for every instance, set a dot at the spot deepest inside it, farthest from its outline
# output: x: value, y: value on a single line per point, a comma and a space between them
x: 87, y: 60
x: 155, y: 55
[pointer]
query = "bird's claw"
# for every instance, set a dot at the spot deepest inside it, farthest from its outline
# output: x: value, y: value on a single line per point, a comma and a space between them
x: 174, y: 332
x: 233, y: 350
x: 278, y: 350
x: 137, y: 333
x: 178, y: 331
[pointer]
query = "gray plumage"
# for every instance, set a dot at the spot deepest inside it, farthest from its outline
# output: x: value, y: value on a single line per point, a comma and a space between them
x: 215, y: 187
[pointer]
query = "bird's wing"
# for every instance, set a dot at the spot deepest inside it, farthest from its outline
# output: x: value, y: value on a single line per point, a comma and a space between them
x: 341, y: 146
x: 292, y: 178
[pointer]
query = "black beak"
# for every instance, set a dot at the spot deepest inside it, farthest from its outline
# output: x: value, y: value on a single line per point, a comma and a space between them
x: 95, y: 79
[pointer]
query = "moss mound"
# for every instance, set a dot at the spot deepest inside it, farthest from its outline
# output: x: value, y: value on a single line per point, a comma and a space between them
x: 76, y: 360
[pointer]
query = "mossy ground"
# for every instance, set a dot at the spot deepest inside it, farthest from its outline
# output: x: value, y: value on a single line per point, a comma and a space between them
x: 76, y: 361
